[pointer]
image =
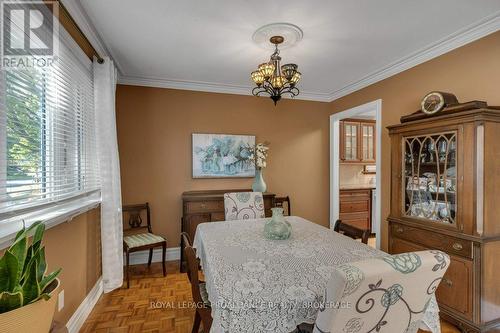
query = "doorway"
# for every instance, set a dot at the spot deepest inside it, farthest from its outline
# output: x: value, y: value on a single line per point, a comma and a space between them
x: 373, y: 109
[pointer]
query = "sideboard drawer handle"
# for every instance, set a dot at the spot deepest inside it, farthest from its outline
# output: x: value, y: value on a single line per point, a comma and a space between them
x: 457, y: 246
x: 399, y: 230
x: 203, y: 205
x: 448, y: 282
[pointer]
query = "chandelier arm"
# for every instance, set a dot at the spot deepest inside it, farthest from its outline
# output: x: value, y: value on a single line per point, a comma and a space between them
x: 256, y: 91
x: 270, y: 90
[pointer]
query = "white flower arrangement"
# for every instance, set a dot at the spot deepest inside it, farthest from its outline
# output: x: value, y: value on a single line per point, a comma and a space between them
x: 259, y: 155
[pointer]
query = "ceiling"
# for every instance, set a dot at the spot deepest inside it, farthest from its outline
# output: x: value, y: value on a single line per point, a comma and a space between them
x: 207, y: 45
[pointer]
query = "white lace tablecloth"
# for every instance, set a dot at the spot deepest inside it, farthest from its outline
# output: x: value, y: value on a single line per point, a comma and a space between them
x: 258, y: 285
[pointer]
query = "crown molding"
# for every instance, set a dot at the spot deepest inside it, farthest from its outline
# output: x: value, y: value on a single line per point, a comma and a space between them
x: 453, y: 41
x: 208, y: 87
x: 85, y: 24
x: 460, y: 38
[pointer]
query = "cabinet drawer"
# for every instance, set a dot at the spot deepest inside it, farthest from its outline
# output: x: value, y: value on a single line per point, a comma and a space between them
x: 455, y: 290
x: 346, y: 194
x: 204, y: 206
x: 216, y: 217
x: 359, y: 220
x: 354, y: 206
x: 433, y: 240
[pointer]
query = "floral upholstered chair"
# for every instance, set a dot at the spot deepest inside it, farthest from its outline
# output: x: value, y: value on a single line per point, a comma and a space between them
x: 388, y: 294
x: 244, y: 205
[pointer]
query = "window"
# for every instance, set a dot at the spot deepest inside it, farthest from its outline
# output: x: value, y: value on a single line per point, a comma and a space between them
x: 47, y: 141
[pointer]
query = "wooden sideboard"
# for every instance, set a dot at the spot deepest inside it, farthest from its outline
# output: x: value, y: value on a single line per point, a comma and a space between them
x: 208, y: 206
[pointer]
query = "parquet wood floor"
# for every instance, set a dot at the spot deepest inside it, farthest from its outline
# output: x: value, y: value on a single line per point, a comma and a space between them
x: 131, y: 311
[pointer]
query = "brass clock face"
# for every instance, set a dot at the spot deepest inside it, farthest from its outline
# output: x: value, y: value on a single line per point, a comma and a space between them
x: 432, y: 103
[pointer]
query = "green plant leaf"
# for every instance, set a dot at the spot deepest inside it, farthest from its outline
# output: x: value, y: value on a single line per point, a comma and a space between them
x: 19, y: 250
x: 10, y: 301
x: 20, y: 235
x: 43, y: 296
x: 30, y: 286
x: 46, y: 281
x: 41, y: 265
x: 4, y: 275
x: 29, y: 255
x: 12, y: 272
x: 37, y: 238
x: 34, y: 258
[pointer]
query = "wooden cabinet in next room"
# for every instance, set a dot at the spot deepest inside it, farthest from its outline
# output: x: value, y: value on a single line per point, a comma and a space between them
x: 355, y: 208
x: 357, y: 141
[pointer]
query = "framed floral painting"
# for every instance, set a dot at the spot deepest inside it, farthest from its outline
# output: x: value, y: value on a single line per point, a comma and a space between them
x: 223, y: 156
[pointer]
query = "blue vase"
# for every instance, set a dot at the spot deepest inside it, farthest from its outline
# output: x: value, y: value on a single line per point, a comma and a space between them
x: 259, y: 185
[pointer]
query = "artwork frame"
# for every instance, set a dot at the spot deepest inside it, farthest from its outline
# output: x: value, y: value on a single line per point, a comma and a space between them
x: 218, y: 155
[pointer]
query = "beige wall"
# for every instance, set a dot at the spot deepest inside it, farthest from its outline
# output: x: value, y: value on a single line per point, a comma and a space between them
x: 154, y: 138
x: 155, y: 126
x: 471, y: 72
x: 74, y: 246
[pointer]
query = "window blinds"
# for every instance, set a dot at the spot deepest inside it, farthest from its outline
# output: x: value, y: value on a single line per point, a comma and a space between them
x: 47, y: 127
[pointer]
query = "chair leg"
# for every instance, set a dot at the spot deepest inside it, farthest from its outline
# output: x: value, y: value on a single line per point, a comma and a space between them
x: 197, y: 322
x: 163, y: 257
x: 127, y: 269
x: 150, y: 257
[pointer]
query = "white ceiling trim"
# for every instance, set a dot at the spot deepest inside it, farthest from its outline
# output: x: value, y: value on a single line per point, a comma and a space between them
x: 208, y: 87
x: 460, y: 38
x: 85, y: 24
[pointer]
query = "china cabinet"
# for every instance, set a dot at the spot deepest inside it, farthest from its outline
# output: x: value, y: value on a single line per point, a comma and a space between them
x: 357, y: 141
x: 445, y: 189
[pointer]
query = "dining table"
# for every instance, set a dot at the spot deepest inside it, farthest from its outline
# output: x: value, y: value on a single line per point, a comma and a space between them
x: 257, y: 285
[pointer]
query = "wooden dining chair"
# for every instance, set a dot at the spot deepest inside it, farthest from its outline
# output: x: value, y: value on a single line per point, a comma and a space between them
x: 139, y: 237
x: 350, y: 231
x: 283, y: 202
x: 386, y: 295
x: 203, y: 313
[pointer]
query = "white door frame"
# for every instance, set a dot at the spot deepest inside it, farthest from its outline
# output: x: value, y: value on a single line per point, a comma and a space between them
x: 335, y: 158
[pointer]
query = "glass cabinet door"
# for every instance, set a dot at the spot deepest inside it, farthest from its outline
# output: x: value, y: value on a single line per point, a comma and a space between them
x: 368, y: 142
x: 351, y: 141
x: 430, y: 177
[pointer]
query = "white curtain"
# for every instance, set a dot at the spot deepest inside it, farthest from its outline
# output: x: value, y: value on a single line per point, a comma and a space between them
x: 109, y: 169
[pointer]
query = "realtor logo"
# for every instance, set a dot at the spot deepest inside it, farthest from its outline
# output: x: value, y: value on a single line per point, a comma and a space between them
x: 29, y: 34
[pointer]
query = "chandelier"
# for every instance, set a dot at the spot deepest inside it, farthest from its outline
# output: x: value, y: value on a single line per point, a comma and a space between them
x: 273, y: 79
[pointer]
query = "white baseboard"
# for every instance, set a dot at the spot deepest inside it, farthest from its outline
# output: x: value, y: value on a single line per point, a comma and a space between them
x: 78, y: 318
x: 141, y: 257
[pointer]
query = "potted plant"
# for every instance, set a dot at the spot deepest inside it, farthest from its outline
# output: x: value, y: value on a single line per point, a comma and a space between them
x: 26, y: 302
